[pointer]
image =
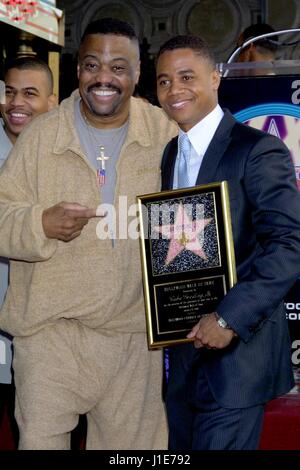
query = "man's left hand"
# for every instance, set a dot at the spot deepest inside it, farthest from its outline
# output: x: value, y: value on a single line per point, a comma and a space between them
x: 208, y: 334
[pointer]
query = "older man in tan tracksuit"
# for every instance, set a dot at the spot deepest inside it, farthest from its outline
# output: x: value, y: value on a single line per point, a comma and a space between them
x: 75, y: 302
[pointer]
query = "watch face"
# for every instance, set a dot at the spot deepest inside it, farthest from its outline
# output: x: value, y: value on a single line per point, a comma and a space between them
x: 222, y: 323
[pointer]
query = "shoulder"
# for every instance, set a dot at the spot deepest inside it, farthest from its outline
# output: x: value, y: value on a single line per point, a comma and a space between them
x: 171, y: 146
x: 46, y: 125
x: 255, y: 138
x: 153, y: 117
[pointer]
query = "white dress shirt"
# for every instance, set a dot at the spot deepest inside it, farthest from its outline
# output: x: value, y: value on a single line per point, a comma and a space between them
x: 200, y: 137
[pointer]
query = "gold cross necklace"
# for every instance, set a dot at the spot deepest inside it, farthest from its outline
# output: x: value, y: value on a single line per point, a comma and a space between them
x: 101, y: 171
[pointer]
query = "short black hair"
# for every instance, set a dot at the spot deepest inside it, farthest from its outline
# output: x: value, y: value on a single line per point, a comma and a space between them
x: 257, y: 30
x: 110, y: 26
x: 30, y: 63
x: 196, y: 43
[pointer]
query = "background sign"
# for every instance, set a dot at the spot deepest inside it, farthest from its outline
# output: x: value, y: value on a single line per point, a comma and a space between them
x: 271, y: 104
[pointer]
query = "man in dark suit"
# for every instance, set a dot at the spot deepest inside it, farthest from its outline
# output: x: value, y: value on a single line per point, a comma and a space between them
x: 240, y: 356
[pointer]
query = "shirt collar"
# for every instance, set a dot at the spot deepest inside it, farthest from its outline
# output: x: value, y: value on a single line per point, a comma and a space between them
x: 202, y: 133
x: 67, y: 138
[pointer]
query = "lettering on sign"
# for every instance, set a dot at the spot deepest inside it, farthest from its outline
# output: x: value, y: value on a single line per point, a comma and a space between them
x: 295, y: 98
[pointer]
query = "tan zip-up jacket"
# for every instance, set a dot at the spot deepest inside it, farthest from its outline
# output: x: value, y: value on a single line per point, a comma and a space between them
x: 86, y: 278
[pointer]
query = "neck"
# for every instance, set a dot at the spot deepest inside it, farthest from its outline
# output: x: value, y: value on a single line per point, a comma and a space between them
x: 104, y: 122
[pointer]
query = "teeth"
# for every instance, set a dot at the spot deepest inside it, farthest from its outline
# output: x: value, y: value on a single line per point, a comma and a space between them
x: 104, y: 93
x: 18, y: 115
x: 179, y: 104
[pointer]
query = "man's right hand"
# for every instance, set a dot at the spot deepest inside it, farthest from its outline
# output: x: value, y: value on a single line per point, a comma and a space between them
x: 65, y: 220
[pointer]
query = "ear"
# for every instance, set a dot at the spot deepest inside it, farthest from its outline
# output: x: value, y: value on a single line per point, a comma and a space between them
x: 247, y: 53
x: 216, y: 79
x: 137, y: 72
x: 78, y: 71
x: 252, y: 57
x: 52, y: 101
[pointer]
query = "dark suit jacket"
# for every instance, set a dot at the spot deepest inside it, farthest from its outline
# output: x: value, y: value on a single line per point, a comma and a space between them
x: 265, y: 209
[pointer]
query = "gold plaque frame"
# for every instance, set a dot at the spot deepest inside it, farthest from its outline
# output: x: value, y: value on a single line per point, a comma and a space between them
x: 187, y: 254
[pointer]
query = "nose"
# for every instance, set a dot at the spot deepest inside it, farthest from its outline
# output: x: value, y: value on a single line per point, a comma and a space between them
x: 17, y: 99
x: 104, y: 76
x: 175, y: 87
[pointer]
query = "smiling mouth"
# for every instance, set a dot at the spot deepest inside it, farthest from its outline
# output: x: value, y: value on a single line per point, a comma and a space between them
x: 179, y: 104
x: 104, y: 92
x: 17, y: 118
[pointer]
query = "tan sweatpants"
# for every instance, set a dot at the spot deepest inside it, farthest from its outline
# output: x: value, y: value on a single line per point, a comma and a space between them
x: 68, y: 369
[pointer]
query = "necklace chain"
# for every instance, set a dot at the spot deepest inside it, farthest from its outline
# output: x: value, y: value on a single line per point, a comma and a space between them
x: 102, y: 158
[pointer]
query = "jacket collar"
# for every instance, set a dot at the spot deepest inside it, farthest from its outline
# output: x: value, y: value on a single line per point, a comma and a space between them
x: 216, y: 149
x: 138, y: 130
x: 67, y: 138
x: 211, y: 159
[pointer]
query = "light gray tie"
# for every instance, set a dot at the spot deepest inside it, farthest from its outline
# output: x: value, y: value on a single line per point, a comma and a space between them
x: 184, y: 145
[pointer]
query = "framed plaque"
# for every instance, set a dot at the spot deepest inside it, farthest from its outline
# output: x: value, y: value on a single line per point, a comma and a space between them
x: 187, y: 257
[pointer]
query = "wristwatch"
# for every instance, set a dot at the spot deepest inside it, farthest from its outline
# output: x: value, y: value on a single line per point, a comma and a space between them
x: 222, y: 323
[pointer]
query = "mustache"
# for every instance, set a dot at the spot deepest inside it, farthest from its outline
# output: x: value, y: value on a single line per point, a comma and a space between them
x: 16, y: 109
x: 106, y: 86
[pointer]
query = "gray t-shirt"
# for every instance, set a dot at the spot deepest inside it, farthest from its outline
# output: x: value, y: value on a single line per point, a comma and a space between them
x: 91, y: 140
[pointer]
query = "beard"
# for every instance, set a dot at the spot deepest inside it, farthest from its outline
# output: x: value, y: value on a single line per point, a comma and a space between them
x: 103, y: 110
x: 107, y: 111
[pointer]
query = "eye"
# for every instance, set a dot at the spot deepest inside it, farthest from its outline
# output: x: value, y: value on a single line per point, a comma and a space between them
x: 9, y: 92
x: 91, y: 67
x: 30, y: 93
x: 164, y: 83
x: 118, y: 68
x: 186, y: 78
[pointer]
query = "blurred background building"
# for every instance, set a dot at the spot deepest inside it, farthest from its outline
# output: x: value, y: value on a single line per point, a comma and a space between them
x: 219, y: 21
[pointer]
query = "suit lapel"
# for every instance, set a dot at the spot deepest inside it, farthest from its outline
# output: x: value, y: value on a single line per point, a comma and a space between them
x: 216, y: 149
x: 211, y: 159
x: 168, y: 164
